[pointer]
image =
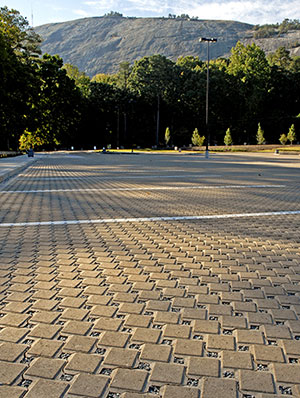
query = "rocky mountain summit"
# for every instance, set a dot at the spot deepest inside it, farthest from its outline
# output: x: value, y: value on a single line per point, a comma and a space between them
x: 100, y: 44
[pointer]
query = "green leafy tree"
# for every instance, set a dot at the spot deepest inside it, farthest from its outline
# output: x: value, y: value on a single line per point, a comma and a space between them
x: 154, y: 79
x: 167, y: 135
x: 18, y: 34
x: 283, y: 139
x: 19, y: 85
x: 197, y: 140
x: 57, y: 109
x: 81, y: 80
x: 103, y: 78
x: 30, y: 140
x: 292, y: 134
x: 249, y: 65
x: 228, y: 138
x: 123, y: 74
x: 260, y: 139
x: 280, y: 58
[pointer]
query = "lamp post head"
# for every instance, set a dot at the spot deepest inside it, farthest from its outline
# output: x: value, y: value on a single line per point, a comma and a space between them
x: 214, y: 40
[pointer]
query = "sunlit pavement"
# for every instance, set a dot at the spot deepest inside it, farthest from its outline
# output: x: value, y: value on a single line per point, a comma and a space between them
x: 151, y: 275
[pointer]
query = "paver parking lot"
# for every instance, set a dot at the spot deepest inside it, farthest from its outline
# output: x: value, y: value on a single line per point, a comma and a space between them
x: 147, y: 275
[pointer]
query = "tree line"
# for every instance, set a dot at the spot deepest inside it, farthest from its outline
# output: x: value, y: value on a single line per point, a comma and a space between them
x: 47, y: 105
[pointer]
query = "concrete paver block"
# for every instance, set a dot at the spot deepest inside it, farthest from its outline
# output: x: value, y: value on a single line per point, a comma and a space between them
x: 45, y: 348
x: 144, y: 335
x: 79, y: 344
x: 187, y: 347
x: 256, y: 381
x: 12, y: 392
x: 113, y: 339
x: 44, y: 368
x: 154, y: 352
x: 267, y: 354
x: 180, y: 392
x: 236, y: 360
x: 203, y: 367
x: 10, y: 372
x: 219, y: 388
x: 128, y: 379
x: 286, y: 373
x: 10, y: 352
x: 167, y: 373
x: 81, y: 362
x: 90, y: 386
x: 121, y: 358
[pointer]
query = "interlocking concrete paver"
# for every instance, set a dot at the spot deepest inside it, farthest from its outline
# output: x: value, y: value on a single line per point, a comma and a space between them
x: 44, y: 368
x: 180, y: 392
x: 204, y: 326
x: 177, y: 331
x: 146, y: 335
x: 154, y: 352
x: 129, y: 379
x: 10, y: 372
x: 286, y: 373
x: 90, y: 386
x: 13, y: 335
x: 203, y: 367
x: 121, y: 358
x: 187, y: 347
x: 44, y: 331
x: 167, y: 373
x: 219, y: 388
x: 236, y: 360
x: 45, y: 348
x: 79, y: 344
x: 126, y: 301
x: 11, y: 352
x: 12, y: 392
x: 267, y: 354
x: 256, y: 381
x: 113, y: 339
x: 42, y: 388
x: 81, y: 362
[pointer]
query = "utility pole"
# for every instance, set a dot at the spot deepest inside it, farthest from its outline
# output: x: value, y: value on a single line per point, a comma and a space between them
x: 212, y: 40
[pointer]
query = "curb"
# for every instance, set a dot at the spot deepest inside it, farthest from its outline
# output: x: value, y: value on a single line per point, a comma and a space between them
x: 15, y: 171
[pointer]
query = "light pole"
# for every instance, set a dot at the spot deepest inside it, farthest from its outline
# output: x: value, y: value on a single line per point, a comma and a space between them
x: 212, y: 40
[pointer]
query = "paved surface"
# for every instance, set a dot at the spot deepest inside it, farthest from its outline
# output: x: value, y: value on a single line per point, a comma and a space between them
x: 140, y: 276
x: 11, y: 166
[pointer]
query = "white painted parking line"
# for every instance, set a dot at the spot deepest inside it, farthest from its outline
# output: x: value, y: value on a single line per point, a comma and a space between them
x: 64, y: 178
x: 150, y: 219
x: 149, y: 188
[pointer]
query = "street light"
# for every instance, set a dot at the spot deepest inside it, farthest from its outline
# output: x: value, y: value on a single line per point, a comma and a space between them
x: 212, y: 40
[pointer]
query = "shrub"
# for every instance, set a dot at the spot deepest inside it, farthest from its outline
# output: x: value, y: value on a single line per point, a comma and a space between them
x: 283, y: 139
x: 196, y: 139
x: 260, y: 139
x: 228, y: 138
x: 291, y: 134
x: 167, y: 136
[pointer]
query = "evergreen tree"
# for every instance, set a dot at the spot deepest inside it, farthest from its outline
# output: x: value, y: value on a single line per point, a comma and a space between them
x: 228, y: 138
x: 167, y: 136
x: 196, y: 139
x: 291, y: 134
x: 283, y: 139
x: 260, y: 139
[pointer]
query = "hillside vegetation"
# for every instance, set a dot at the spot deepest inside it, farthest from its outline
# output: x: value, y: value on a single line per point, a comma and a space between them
x: 100, y: 44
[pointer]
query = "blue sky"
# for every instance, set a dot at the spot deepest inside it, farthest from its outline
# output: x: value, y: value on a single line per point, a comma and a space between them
x: 251, y: 11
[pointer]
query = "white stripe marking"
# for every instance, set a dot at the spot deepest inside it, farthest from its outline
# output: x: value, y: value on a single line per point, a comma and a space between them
x: 149, y: 219
x: 149, y: 189
x: 122, y: 178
